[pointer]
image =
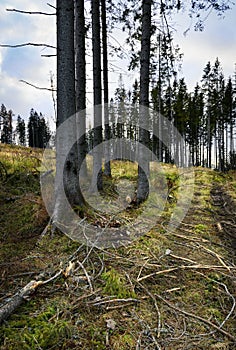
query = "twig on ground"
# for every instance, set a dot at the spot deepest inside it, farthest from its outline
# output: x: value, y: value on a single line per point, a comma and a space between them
x: 87, y: 275
x: 156, y: 307
x: 109, y: 301
x: 186, y: 267
x: 207, y: 322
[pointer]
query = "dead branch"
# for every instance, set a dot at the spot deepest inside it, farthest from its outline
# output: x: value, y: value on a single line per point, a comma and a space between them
x: 37, y: 87
x: 185, y: 267
x: 227, y: 223
x: 31, y: 12
x: 86, y: 274
x: 109, y: 301
x: 23, y: 295
x: 181, y: 258
x: 220, y: 258
x: 48, y: 55
x: 54, y: 7
x: 207, y: 322
x: 28, y: 44
x: 156, y: 307
x: 227, y: 292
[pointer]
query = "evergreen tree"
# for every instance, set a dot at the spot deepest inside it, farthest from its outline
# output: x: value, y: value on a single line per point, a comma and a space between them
x: 21, y: 130
x: 38, y: 130
x: 6, y: 125
x: 33, y: 129
x: 195, y: 124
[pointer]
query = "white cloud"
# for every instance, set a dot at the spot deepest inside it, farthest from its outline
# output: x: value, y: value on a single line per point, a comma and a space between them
x: 26, y: 63
x: 217, y: 40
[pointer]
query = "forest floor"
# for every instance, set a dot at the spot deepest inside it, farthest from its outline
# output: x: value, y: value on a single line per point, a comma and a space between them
x: 168, y: 290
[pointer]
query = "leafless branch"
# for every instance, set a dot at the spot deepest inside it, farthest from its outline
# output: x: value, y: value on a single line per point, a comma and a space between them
x: 31, y: 12
x: 87, y: 275
x: 28, y: 44
x: 183, y: 267
x: 156, y: 307
x: 54, y: 7
x: 48, y: 55
x: 115, y: 300
x: 37, y: 87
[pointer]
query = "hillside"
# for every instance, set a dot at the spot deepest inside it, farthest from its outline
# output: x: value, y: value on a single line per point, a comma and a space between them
x: 166, y: 290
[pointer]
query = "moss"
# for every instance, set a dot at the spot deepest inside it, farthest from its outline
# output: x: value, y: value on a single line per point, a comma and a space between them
x: 36, y: 332
x: 115, y: 285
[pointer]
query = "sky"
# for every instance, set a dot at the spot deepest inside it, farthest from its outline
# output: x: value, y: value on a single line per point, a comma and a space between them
x: 217, y: 40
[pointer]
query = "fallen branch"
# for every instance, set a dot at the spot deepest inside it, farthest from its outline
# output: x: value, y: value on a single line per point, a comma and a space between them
x: 109, y: 301
x: 185, y: 267
x: 23, y: 295
x: 156, y: 307
x: 209, y: 323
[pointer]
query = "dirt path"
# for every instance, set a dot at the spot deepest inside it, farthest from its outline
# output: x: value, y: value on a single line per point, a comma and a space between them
x: 225, y: 216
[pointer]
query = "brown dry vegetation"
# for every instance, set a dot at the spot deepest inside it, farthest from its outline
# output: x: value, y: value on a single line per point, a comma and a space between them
x: 167, y: 290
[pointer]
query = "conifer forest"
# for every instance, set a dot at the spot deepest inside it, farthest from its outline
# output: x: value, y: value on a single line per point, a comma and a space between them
x: 117, y: 204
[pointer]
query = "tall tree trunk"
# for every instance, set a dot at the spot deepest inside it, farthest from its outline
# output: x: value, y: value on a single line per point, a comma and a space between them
x: 209, y: 140
x: 143, y: 172
x: 107, y: 166
x: 97, y: 97
x: 66, y: 162
x: 80, y: 32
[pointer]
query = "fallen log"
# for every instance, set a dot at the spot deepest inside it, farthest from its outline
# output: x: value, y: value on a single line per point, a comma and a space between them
x: 14, y: 302
x: 21, y: 296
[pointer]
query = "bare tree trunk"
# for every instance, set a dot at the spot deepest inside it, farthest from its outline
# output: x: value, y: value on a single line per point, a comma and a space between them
x: 80, y: 32
x: 97, y: 99
x: 67, y: 162
x: 143, y: 172
x: 107, y: 166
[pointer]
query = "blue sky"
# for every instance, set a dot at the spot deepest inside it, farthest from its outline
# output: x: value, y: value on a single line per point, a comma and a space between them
x: 26, y: 63
x: 217, y: 40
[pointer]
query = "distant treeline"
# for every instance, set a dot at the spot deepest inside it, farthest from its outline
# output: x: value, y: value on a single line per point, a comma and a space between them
x: 35, y: 134
x: 205, y: 118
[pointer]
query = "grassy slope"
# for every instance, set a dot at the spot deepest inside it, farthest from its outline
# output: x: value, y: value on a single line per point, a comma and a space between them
x: 156, y: 312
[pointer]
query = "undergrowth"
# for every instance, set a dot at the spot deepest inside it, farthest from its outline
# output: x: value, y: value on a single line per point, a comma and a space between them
x: 154, y: 293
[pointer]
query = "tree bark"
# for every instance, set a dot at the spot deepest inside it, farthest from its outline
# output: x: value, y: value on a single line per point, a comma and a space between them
x: 107, y: 165
x: 97, y: 97
x: 19, y: 298
x: 80, y: 65
x: 66, y: 164
x: 143, y: 172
